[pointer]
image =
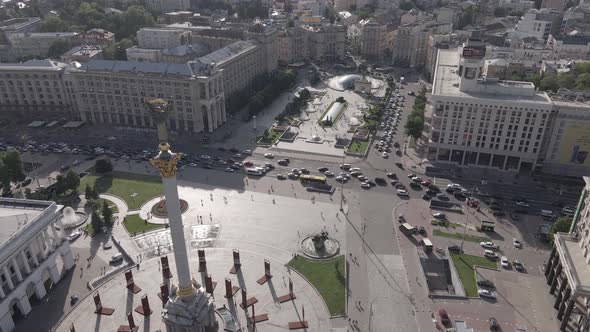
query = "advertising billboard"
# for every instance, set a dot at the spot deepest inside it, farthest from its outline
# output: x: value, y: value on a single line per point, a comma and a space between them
x: 575, y: 145
x: 474, y: 51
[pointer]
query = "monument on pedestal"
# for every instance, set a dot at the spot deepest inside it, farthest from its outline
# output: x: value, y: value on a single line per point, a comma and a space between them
x: 189, y: 308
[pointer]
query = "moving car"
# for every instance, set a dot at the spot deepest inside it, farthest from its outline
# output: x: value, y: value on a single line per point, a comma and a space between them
x: 439, y: 215
x: 488, y: 245
x: 269, y: 155
x: 74, y: 236
x: 486, y: 293
x: 380, y: 181
x: 402, y: 193
x: 444, y: 317
x: 283, y: 162
x: 517, y: 243
x: 504, y: 262
x: 322, y: 169
x: 518, y: 265
x: 116, y: 258
x: 442, y: 197
x: 454, y: 248
x: 422, y: 231
x: 365, y: 185
x: 328, y: 174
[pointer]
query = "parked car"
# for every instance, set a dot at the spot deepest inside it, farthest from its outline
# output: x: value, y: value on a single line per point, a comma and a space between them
x: 517, y: 243
x: 444, y: 317
x: 442, y: 197
x: 281, y: 177
x: 116, y: 258
x: 486, y: 283
x: 392, y: 175
x: 518, y: 265
x: 494, y: 324
x: 439, y: 215
x: 402, y: 193
x: 269, y: 155
x: 380, y: 181
x: 422, y: 231
x: 490, y: 254
x: 486, y: 293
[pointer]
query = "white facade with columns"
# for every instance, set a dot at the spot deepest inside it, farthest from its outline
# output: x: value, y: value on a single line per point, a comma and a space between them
x: 29, y: 247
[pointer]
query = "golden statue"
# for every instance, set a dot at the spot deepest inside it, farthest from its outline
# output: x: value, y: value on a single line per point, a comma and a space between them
x: 166, y: 161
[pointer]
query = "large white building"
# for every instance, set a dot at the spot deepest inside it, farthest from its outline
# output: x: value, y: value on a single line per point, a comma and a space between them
x: 539, y: 23
x: 374, y: 39
x: 30, y: 247
x: 484, y: 122
x: 112, y: 92
x: 508, y: 125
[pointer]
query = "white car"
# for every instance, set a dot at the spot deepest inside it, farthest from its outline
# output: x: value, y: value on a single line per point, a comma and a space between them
x: 488, y: 245
x: 362, y: 178
x: 504, y: 261
x: 402, y: 193
x: 522, y: 203
x: 229, y: 169
x: 385, y: 155
x: 341, y: 179
x: 486, y: 293
x: 116, y: 258
x: 74, y: 236
x: 365, y: 185
x: 193, y: 165
x: 517, y: 243
x: 269, y: 155
x: 328, y: 173
x: 439, y: 215
x: 490, y: 254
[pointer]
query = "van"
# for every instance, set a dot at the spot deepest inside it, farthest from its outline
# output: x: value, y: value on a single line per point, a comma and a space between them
x: 490, y: 254
x: 116, y: 258
x: 547, y: 213
x: 427, y: 244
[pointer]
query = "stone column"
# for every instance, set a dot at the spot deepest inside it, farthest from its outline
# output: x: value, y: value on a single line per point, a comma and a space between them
x: 25, y: 305
x: 40, y: 245
x: 40, y: 290
x: 7, y: 277
x: 67, y: 256
x: 209, y: 119
x: 57, y: 237
x: 557, y: 276
x: 23, y: 256
x: 2, y: 294
x: 560, y: 293
x: 566, y: 316
x: 223, y: 113
x: 48, y: 240
x: 32, y: 251
x: 551, y: 274
x: 566, y: 296
x: 550, y: 261
x: 19, y: 276
x: 166, y: 162
x: 54, y: 274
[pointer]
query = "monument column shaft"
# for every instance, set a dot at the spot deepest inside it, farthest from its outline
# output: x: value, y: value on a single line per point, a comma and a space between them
x: 177, y: 231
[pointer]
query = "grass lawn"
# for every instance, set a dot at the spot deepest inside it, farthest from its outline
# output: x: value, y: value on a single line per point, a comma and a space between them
x: 459, y: 236
x: 327, y: 277
x: 359, y: 147
x: 465, y: 268
x: 135, y: 224
x: 412, y: 142
x: 272, y: 137
x: 134, y: 189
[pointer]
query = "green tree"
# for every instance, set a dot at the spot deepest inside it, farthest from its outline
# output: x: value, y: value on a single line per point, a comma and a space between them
x: 103, y: 165
x: 94, y: 195
x: 549, y: 83
x: 583, y: 82
x: 290, y: 23
x: 107, y: 215
x: 562, y: 224
x: 13, y: 166
x: 61, y: 185
x: 415, y: 126
x: 582, y: 67
x: 304, y: 94
x: 59, y: 47
x: 265, y: 133
x: 53, y: 24
x: 406, y: 5
x: 72, y: 181
x: 96, y: 222
x: 88, y: 192
x: 565, y: 80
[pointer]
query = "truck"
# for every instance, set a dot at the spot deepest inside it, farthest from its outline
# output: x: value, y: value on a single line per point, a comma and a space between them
x: 408, y: 229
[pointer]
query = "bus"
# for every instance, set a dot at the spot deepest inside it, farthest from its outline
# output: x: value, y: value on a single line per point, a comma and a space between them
x: 408, y: 229
x: 312, y: 179
x: 427, y: 244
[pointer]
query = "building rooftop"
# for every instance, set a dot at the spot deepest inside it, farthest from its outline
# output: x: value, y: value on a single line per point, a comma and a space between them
x: 17, y: 23
x: 136, y: 67
x: 575, y: 266
x: 84, y: 50
x: 229, y: 52
x: 446, y: 83
x: 198, y: 49
x: 15, y: 214
x: 47, y: 64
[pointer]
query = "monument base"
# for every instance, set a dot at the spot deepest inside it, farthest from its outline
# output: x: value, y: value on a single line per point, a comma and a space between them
x: 195, y: 313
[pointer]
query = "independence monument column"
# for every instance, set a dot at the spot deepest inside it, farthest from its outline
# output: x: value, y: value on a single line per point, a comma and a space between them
x: 188, y: 309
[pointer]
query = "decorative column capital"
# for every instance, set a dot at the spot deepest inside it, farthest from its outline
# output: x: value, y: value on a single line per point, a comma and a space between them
x: 165, y: 162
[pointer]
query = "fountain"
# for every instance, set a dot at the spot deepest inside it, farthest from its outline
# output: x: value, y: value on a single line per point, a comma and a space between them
x: 320, y: 246
x: 71, y: 219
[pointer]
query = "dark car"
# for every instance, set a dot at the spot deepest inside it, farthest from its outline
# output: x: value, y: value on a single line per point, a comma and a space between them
x: 371, y: 183
x: 454, y: 248
x: 400, y: 165
x: 499, y: 213
x: 234, y: 150
x: 304, y: 171
x: 434, y: 187
x: 381, y: 181
x: 460, y: 196
x: 415, y: 185
x: 444, y: 317
x: 486, y: 283
x: 558, y: 204
x: 392, y: 175
x: 514, y: 216
x: 494, y: 324
x: 283, y: 162
x: 431, y: 192
x: 426, y: 197
x: 322, y: 169
x: 422, y: 231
